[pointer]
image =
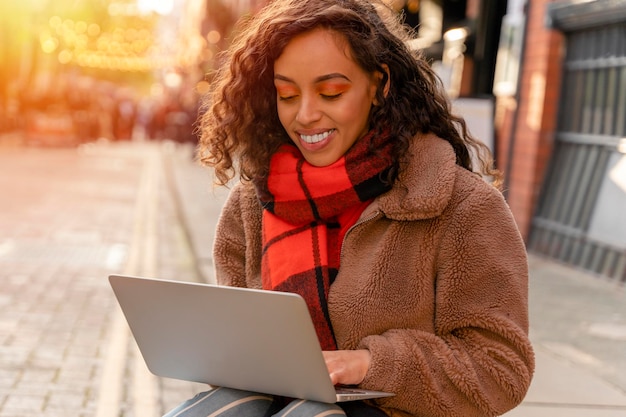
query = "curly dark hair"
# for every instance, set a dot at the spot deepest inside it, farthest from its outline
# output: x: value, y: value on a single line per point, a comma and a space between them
x: 240, y: 128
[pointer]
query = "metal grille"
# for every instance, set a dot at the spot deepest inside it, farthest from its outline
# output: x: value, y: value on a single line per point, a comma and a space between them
x: 591, y: 126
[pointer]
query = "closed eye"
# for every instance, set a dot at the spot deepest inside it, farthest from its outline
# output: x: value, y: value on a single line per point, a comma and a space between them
x: 331, y: 96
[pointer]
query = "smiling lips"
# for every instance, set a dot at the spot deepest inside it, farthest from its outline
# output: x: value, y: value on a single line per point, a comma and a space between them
x: 311, y: 139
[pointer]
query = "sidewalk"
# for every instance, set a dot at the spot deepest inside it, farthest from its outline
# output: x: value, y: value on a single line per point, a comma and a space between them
x: 580, y: 371
x: 562, y: 389
x: 578, y: 328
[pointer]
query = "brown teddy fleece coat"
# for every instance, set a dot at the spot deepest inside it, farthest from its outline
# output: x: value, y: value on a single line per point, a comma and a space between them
x: 433, y: 281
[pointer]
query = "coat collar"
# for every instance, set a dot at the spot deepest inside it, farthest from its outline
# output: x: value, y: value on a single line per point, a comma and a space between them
x: 424, y: 187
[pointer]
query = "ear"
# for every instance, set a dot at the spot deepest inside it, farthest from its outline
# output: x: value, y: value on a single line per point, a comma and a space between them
x: 383, y: 77
x: 387, y: 79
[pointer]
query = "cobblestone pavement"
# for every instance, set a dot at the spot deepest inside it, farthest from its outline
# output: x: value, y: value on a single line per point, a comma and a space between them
x: 69, y: 218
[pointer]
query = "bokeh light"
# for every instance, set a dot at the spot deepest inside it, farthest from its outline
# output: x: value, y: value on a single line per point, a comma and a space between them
x: 82, y: 63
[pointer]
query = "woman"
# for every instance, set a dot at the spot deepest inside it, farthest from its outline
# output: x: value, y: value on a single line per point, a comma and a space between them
x: 357, y: 192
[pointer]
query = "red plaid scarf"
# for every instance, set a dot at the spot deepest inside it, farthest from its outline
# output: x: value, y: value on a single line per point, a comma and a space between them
x: 307, y: 211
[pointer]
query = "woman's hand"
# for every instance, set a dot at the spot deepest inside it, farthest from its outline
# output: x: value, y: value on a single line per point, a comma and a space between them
x: 347, y: 367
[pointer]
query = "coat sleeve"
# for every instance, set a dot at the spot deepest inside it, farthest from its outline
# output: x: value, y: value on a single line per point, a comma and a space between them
x: 236, y: 247
x: 479, y: 361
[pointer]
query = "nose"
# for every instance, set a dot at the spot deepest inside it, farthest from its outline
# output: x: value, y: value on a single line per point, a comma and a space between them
x: 308, y: 111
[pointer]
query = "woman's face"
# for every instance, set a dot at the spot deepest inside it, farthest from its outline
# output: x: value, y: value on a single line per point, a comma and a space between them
x: 323, y: 95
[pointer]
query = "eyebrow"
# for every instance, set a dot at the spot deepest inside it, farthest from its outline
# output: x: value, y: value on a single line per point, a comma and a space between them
x: 319, y: 79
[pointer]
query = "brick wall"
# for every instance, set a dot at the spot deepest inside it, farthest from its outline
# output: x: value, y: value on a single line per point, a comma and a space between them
x: 536, y: 120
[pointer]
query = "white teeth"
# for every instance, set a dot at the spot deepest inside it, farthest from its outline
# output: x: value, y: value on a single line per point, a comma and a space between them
x: 316, y: 138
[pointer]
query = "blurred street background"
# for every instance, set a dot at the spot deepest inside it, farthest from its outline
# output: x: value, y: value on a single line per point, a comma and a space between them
x: 98, y: 103
x: 71, y: 217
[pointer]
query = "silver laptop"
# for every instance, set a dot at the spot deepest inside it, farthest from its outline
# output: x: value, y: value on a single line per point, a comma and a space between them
x: 254, y: 340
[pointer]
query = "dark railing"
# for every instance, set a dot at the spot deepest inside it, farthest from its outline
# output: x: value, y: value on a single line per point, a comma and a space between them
x: 581, y: 215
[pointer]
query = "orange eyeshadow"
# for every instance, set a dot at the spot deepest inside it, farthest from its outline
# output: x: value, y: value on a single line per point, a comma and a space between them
x: 286, y: 91
x: 333, y: 88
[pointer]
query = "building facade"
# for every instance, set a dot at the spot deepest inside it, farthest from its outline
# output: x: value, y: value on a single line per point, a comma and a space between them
x: 560, y: 133
x: 576, y: 213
